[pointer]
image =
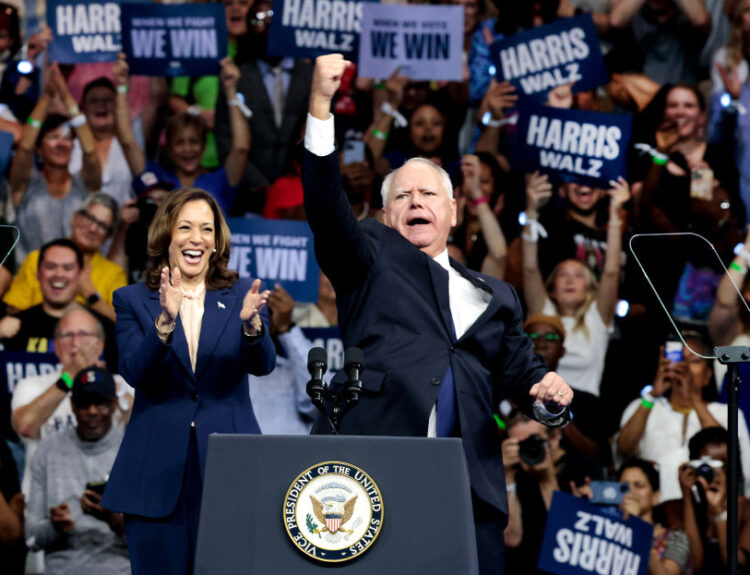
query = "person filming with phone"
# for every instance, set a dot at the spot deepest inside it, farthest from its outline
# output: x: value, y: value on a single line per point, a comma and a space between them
x: 638, y: 496
x: 656, y: 427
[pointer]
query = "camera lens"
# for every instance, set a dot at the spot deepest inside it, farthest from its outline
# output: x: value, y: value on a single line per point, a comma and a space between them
x: 532, y: 449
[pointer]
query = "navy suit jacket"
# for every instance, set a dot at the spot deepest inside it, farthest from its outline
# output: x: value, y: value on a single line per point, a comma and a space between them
x: 147, y: 474
x: 393, y: 304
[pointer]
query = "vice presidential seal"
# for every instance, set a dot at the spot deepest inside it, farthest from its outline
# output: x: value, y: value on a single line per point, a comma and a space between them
x: 333, y: 511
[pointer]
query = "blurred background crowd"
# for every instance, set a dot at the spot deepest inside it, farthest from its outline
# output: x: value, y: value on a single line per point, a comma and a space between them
x: 95, y: 151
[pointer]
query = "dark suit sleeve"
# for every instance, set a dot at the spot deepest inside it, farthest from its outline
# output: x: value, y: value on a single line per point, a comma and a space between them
x: 140, y: 351
x: 259, y: 353
x: 342, y: 248
x: 521, y: 368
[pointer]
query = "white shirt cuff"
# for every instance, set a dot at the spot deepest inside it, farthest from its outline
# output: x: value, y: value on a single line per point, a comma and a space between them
x: 319, y: 136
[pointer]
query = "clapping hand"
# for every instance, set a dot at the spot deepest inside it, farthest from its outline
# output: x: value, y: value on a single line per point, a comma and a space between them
x: 170, y: 295
x: 251, y: 306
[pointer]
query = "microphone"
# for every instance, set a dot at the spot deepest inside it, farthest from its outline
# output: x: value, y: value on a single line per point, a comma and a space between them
x: 353, y: 365
x: 317, y: 363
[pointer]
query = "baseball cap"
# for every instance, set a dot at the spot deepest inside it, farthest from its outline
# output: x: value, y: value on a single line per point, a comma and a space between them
x: 93, y: 385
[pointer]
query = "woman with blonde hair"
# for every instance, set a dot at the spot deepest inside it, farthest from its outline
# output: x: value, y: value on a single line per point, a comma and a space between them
x: 586, y: 308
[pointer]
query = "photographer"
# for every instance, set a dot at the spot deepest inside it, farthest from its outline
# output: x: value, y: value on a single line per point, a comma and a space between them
x: 535, y: 467
x: 703, y: 481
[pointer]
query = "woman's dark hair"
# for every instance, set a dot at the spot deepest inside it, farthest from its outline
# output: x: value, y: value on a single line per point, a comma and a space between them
x: 10, y: 21
x: 50, y: 124
x: 101, y: 82
x: 160, y: 236
x: 179, y: 122
x: 648, y: 470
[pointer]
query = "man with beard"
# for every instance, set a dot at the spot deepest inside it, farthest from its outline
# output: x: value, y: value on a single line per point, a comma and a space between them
x: 277, y: 91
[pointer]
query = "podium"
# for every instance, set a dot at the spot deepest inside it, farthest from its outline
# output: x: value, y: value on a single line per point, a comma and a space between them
x: 427, y: 524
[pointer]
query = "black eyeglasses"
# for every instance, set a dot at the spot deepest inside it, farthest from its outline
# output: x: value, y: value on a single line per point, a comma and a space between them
x: 548, y: 336
x: 101, y: 226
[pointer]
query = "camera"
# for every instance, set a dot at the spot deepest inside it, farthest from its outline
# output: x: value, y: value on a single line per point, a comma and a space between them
x: 533, y: 449
x: 706, y: 467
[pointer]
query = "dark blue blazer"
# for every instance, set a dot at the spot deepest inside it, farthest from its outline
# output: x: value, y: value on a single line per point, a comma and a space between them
x: 393, y: 304
x: 147, y: 474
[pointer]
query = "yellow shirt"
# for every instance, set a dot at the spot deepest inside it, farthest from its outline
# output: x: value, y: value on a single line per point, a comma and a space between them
x: 25, y: 292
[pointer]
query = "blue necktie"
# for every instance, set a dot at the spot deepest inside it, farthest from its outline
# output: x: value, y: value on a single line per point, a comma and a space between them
x: 446, y: 401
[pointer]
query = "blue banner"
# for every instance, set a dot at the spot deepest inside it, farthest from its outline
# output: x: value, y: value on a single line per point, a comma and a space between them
x: 311, y: 28
x: 564, y: 52
x: 276, y: 251
x: 6, y: 148
x: 15, y: 366
x: 587, y: 147
x: 329, y: 338
x: 581, y: 538
x: 84, y: 31
x: 424, y: 42
x: 174, y: 40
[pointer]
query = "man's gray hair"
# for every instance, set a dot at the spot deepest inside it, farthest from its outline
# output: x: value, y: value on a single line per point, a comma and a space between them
x: 77, y: 307
x: 445, y: 179
x: 102, y: 199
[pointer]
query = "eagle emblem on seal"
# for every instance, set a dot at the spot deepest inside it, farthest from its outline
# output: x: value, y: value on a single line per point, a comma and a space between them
x: 333, y: 513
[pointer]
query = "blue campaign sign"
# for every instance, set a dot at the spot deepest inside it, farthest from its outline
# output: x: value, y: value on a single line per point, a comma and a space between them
x: 311, y: 28
x: 329, y: 338
x: 581, y: 538
x: 15, y: 366
x: 425, y: 42
x: 276, y: 251
x: 174, y: 40
x: 6, y: 147
x: 84, y: 30
x: 587, y: 147
x: 564, y: 52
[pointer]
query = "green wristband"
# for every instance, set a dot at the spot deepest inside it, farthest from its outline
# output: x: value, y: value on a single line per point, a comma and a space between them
x: 500, y: 423
x: 660, y: 161
x: 34, y: 123
x: 646, y: 403
x: 380, y: 86
x: 737, y: 267
x: 67, y: 379
x: 379, y: 135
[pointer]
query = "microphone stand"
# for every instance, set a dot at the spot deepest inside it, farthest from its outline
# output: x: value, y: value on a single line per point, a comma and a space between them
x: 335, y: 405
x: 732, y: 357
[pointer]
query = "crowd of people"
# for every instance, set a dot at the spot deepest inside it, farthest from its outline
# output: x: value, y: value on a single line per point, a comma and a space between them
x: 98, y: 159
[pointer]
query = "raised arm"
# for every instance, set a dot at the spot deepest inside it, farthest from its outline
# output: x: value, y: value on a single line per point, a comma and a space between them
x: 133, y: 153
x: 538, y: 191
x: 606, y: 297
x: 497, y: 99
x: 237, y: 158
x: 633, y: 429
x: 622, y: 12
x: 377, y: 133
x: 724, y: 323
x: 341, y: 247
x: 491, y: 231
x: 23, y: 159
x: 91, y: 169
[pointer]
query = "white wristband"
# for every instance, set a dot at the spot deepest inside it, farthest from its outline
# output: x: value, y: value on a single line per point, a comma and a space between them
x: 502, y: 122
x: 77, y: 121
x: 194, y: 110
x: 398, y: 117
x: 236, y: 102
x: 534, y: 230
x: 745, y: 255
